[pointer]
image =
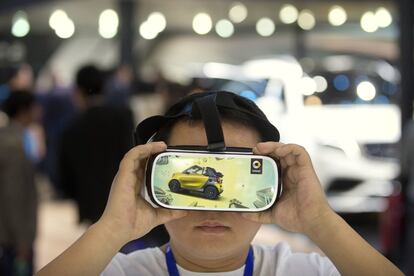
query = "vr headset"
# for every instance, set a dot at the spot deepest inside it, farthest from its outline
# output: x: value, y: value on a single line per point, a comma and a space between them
x: 212, y: 177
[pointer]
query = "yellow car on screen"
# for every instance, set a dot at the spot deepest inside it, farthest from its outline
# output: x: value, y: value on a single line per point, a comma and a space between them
x: 204, y: 181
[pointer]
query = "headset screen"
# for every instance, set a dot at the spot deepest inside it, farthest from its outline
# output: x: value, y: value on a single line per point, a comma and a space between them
x: 227, y: 182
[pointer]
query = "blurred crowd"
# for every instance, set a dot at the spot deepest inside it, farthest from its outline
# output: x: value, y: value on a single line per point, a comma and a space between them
x: 75, y: 136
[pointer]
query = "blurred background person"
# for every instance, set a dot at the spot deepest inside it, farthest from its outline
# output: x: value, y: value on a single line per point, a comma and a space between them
x: 15, y: 78
x: 20, y: 77
x: 23, y: 78
x: 92, y: 145
x: 118, y: 87
x: 58, y: 110
x: 18, y: 196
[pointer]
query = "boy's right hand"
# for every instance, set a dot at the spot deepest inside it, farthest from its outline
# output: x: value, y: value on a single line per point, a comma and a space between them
x: 302, y: 206
x: 127, y: 214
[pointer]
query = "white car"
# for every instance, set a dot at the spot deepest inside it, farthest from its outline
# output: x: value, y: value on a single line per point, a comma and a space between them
x: 353, y: 143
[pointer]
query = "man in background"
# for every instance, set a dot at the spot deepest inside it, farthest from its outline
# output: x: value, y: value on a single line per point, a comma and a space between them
x: 18, y: 197
x: 93, y: 145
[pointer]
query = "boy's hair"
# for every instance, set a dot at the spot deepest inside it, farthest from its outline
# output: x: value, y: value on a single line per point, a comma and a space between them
x: 90, y: 80
x: 226, y: 115
x: 17, y: 102
x: 230, y: 107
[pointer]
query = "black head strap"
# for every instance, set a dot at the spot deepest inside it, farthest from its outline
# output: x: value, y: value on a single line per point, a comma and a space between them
x: 207, y: 108
x: 204, y: 106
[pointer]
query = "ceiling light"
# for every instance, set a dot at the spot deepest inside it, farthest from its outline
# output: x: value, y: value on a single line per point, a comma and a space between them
x: 238, y: 12
x: 20, y: 25
x: 202, y: 23
x: 288, y: 14
x: 383, y: 17
x: 224, y: 28
x: 108, y: 23
x: 265, y: 26
x: 369, y: 22
x: 337, y: 16
x: 306, y: 20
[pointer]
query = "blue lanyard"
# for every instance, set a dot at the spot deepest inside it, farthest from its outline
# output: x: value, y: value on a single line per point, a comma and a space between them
x: 173, y: 270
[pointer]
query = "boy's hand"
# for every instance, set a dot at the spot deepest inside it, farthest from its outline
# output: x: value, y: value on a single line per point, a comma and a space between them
x: 127, y: 214
x: 303, y: 205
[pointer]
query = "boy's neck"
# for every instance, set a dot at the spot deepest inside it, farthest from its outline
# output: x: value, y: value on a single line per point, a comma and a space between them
x: 194, y: 264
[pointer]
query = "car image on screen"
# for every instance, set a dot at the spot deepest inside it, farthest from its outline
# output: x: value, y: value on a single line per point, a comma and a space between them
x: 203, y: 181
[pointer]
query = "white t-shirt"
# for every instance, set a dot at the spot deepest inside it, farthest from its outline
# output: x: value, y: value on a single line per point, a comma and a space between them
x: 268, y: 261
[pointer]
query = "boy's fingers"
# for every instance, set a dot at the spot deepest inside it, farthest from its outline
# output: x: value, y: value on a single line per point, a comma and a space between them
x: 291, y: 175
x: 283, y: 163
x: 290, y: 149
x: 267, y: 147
x: 138, y: 153
x: 132, y: 162
x: 283, y: 151
x: 274, y: 149
x: 290, y: 160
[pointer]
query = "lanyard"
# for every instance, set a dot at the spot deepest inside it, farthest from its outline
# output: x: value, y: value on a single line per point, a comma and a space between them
x: 173, y: 270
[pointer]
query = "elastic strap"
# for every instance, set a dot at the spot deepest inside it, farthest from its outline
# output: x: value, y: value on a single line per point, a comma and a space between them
x: 212, y: 124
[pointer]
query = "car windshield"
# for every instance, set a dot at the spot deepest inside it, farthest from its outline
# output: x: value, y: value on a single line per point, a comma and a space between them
x: 194, y: 169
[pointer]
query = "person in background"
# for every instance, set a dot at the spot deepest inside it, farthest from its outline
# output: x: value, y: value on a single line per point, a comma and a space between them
x: 92, y: 145
x: 18, y: 197
x: 19, y: 77
x: 23, y: 78
x: 15, y: 78
x: 118, y: 89
x: 58, y: 111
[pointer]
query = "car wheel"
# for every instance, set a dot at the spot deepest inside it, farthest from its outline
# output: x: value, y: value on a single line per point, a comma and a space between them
x: 211, y: 192
x: 174, y: 186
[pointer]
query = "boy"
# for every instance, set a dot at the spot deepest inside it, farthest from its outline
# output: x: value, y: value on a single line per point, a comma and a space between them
x: 219, y: 242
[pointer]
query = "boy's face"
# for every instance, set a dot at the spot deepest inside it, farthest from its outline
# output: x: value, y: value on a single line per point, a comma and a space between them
x: 205, y: 234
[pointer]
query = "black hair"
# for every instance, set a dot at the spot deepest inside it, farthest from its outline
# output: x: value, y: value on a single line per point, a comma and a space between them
x: 90, y: 80
x: 17, y: 102
x: 230, y: 107
x: 226, y: 115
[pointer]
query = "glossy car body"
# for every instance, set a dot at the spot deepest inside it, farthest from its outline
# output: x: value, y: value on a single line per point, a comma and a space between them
x: 204, y: 181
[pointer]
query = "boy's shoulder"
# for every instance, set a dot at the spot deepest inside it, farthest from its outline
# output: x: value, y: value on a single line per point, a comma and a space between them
x: 268, y: 260
x: 281, y: 260
x: 149, y: 261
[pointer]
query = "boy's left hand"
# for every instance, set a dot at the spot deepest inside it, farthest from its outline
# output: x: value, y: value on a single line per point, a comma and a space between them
x: 303, y: 205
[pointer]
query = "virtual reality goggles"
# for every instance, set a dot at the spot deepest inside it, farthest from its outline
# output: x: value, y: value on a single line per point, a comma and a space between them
x: 212, y: 177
